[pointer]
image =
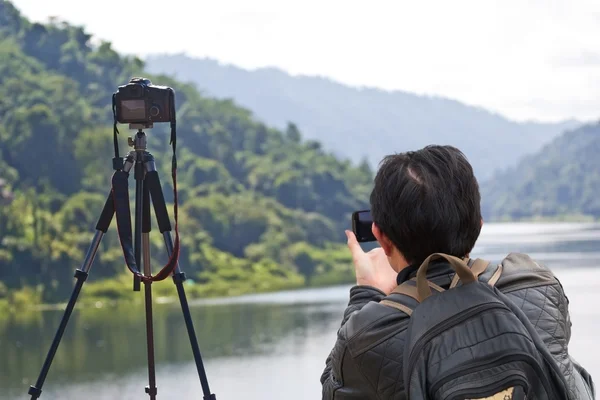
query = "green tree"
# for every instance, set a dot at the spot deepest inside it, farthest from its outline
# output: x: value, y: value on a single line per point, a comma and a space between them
x: 260, y: 208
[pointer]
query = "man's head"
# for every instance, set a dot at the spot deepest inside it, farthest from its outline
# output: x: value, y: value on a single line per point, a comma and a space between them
x: 426, y: 202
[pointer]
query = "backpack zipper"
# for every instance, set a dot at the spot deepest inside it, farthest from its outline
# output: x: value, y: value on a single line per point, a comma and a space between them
x: 496, y: 362
x: 448, y: 323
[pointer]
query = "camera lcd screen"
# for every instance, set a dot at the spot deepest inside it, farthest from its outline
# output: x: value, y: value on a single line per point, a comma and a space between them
x: 133, y: 110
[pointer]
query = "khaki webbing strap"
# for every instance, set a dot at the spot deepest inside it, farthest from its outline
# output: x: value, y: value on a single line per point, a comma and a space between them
x: 398, y: 306
x: 454, y: 281
x: 496, y: 276
x: 411, y: 290
x: 435, y: 287
x: 457, y: 264
x: 407, y: 290
x: 431, y: 285
x: 478, y: 267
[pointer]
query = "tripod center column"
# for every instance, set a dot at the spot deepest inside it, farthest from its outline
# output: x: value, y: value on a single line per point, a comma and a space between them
x: 140, y: 141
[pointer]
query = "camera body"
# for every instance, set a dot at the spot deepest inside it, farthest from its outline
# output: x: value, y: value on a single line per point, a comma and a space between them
x: 140, y: 102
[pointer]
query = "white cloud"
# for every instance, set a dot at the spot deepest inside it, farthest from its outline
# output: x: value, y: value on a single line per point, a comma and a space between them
x: 526, y: 59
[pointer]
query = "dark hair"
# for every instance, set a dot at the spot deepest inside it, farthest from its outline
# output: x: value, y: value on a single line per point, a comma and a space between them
x: 427, y: 201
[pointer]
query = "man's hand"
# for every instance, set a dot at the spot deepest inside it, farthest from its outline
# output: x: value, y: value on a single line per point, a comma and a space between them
x: 372, y: 268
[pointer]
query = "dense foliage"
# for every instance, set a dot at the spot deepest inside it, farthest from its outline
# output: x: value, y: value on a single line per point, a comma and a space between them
x: 365, y: 122
x: 560, y: 181
x: 261, y: 209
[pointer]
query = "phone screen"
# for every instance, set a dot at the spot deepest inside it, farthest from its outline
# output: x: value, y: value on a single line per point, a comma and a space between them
x: 362, y: 226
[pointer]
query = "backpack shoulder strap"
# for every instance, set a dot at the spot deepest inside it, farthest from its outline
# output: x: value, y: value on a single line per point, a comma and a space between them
x: 406, y: 309
x: 478, y: 267
x: 409, y: 289
x: 496, y: 275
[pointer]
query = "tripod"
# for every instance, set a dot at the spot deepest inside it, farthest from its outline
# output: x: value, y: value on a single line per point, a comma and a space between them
x: 147, y: 186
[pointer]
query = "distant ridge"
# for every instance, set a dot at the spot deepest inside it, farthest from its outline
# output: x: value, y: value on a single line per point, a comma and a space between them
x: 363, y: 122
x: 561, y: 181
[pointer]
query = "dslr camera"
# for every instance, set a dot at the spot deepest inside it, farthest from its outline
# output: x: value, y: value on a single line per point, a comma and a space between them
x: 140, y: 102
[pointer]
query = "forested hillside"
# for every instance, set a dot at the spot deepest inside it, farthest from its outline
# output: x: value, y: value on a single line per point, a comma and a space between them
x: 366, y: 122
x: 561, y: 181
x: 260, y: 210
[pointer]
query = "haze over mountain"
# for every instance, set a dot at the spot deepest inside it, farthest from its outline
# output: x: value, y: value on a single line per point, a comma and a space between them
x: 365, y: 122
x: 562, y: 180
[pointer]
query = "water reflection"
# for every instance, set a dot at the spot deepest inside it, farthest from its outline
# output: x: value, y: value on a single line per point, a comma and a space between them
x: 112, y: 340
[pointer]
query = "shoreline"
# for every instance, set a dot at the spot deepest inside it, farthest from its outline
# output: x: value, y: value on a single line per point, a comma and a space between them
x: 562, y: 218
x: 112, y: 292
x: 129, y: 297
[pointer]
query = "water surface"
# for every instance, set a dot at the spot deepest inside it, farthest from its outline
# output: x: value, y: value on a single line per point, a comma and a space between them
x: 257, y: 347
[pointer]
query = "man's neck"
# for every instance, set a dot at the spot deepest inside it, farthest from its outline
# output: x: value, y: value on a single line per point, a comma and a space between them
x: 404, y: 269
x: 398, y: 262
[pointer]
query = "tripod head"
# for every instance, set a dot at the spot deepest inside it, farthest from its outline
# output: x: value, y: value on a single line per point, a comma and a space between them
x: 138, y: 141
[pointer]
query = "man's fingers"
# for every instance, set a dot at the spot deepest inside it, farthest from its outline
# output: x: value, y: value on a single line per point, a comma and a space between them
x: 353, y: 245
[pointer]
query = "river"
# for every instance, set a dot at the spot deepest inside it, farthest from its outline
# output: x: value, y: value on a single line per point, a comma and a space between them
x: 267, y: 346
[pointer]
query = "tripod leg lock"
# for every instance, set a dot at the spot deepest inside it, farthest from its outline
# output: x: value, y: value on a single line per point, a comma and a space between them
x: 81, y: 275
x: 151, y: 391
x: 118, y: 163
x: 179, y: 277
x: 34, y: 392
x: 211, y: 397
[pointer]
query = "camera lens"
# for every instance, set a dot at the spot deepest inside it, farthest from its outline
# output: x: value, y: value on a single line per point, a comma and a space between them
x: 154, y: 111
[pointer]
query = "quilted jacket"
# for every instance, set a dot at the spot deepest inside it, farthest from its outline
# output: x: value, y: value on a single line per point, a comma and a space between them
x: 366, y: 361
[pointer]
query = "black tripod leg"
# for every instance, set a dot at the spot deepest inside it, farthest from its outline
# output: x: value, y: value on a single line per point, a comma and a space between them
x: 81, y: 275
x: 164, y: 225
x: 146, y: 227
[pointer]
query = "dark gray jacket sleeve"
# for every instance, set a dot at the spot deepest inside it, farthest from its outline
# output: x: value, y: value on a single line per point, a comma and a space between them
x: 335, y: 384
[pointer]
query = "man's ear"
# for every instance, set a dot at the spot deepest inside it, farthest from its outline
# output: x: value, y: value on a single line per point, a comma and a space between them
x: 384, y: 242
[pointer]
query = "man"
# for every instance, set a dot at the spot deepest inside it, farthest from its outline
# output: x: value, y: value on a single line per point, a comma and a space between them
x: 427, y: 202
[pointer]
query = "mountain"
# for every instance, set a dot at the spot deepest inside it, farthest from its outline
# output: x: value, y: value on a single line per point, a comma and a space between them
x: 260, y: 208
x: 562, y: 180
x: 365, y: 122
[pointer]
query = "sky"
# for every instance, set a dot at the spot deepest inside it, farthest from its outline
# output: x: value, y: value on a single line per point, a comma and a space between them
x: 526, y: 59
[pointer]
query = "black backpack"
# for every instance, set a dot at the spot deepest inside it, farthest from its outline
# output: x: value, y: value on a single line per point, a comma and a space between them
x: 472, y: 342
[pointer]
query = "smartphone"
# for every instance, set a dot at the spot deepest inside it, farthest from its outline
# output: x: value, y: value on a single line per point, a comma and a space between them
x: 362, y: 226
